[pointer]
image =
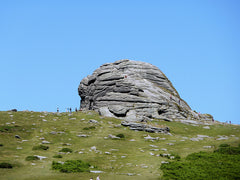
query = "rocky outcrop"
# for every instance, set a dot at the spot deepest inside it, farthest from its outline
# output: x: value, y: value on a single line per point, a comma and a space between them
x: 145, y: 127
x: 134, y: 91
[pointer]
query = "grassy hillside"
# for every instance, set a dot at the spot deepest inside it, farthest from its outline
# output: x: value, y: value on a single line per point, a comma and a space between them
x: 130, y: 157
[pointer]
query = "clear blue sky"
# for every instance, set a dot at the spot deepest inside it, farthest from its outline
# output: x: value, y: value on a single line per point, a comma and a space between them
x: 47, y: 47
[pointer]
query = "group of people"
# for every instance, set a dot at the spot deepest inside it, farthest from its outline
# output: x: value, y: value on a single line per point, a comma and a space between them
x: 68, y: 110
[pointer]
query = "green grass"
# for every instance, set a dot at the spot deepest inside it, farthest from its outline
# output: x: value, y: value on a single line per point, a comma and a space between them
x: 129, y: 155
x: 224, y: 163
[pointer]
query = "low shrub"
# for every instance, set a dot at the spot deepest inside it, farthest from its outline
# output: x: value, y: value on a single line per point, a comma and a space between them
x: 177, y: 157
x: 71, y: 166
x: 57, y: 165
x: 58, y: 156
x: 66, y: 150
x: 40, y: 147
x: 197, y: 156
x: 224, y: 145
x: 89, y: 128
x: 206, y: 165
x: 227, y: 149
x: 31, y: 158
x: 6, y: 165
x: 120, y: 135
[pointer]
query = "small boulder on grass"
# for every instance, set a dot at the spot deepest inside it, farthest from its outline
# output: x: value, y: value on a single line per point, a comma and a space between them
x: 93, y: 121
x: 45, y: 142
x: 17, y: 136
x: 113, y: 137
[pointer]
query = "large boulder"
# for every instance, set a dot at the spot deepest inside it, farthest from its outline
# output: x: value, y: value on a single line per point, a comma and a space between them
x: 134, y: 91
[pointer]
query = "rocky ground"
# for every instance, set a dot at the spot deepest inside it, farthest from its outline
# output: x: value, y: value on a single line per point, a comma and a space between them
x: 115, y: 150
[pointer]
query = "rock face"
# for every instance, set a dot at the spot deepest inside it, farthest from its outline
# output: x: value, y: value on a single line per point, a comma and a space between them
x: 134, y: 91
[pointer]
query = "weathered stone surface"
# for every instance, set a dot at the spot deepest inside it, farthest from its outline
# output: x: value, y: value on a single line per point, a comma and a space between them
x: 151, y: 138
x: 45, y: 142
x: 133, y: 91
x: 145, y: 127
x: 118, y: 110
x: 93, y: 121
x: 222, y: 138
x: 83, y: 135
x: 113, y: 136
x: 40, y: 157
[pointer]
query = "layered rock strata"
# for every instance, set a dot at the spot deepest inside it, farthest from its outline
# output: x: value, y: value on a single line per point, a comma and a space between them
x: 134, y: 91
